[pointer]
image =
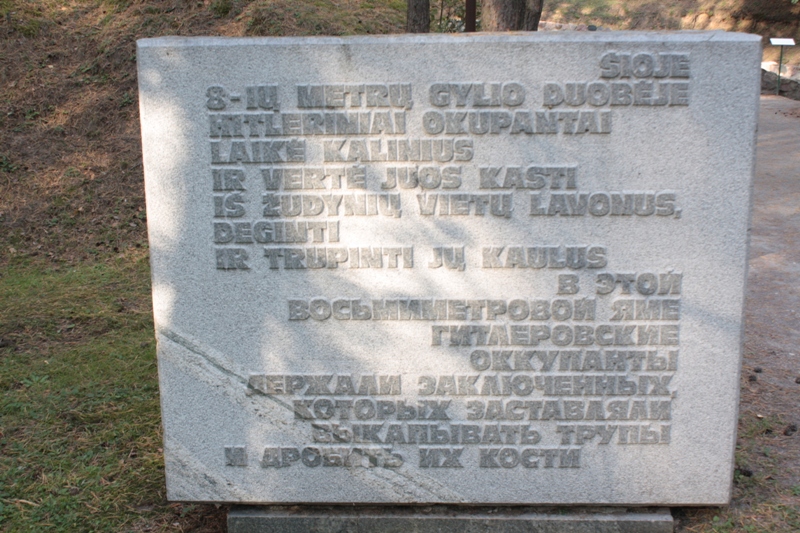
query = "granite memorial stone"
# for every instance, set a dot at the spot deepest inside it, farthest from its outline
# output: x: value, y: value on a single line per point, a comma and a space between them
x: 486, y: 269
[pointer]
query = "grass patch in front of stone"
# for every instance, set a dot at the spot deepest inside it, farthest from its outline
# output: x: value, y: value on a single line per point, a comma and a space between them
x: 80, y: 429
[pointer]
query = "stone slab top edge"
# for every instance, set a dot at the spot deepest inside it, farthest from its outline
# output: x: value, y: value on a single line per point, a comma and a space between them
x: 683, y: 36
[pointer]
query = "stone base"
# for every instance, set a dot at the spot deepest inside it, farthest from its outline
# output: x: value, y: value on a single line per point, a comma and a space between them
x: 444, y: 519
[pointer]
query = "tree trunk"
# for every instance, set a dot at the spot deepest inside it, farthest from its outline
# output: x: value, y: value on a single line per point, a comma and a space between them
x: 511, y: 15
x: 418, y: 18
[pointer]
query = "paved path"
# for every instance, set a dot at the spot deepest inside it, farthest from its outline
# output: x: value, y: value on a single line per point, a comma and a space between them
x: 772, y: 308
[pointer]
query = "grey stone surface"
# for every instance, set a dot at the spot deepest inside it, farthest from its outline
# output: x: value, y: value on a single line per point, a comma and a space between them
x: 438, y: 520
x: 487, y: 269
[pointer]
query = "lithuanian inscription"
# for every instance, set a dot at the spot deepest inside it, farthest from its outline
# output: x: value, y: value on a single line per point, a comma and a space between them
x: 436, y: 278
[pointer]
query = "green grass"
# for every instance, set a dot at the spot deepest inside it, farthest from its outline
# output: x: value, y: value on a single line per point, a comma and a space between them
x: 79, y: 416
